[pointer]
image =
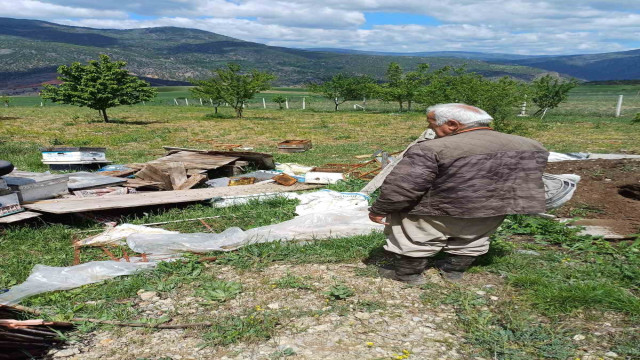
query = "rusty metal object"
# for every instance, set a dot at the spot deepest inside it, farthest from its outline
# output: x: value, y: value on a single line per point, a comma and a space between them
x: 284, y: 179
x: 241, y: 181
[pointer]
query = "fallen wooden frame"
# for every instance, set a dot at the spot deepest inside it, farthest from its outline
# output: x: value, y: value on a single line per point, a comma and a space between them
x: 78, y: 205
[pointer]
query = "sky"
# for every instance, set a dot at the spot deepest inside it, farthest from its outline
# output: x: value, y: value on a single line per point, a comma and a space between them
x: 524, y: 27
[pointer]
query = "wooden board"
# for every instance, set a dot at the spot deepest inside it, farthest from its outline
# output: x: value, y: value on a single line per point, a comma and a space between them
x: 193, y: 161
x: 177, y: 174
x: 193, y: 180
x: 263, y: 161
x: 65, y: 206
x: 21, y: 216
x: 154, y: 174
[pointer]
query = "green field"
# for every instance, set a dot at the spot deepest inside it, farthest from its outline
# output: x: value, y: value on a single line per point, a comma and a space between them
x: 544, y: 301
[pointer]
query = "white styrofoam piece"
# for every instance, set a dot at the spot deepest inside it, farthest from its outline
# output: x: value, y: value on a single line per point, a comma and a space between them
x: 66, y: 156
x: 322, y: 177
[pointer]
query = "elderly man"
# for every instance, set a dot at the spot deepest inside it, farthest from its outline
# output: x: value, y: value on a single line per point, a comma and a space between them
x: 451, y: 193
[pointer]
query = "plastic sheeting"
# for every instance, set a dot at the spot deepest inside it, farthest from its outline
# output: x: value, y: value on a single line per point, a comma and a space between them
x: 321, y: 214
x: 559, y: 189
x: 118, y: 233
x: 49, y: 278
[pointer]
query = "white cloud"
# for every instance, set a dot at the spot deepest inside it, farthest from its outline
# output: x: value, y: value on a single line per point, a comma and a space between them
x: 515, y: 26
x: 42, y: 10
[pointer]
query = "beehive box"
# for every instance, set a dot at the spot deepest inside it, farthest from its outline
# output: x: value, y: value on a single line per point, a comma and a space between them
x: 294, y: 146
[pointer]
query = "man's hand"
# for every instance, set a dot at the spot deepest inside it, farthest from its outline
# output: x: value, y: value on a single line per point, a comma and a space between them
x: 377, y: 218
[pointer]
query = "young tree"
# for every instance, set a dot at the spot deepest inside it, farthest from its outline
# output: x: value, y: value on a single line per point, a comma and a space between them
x: 5, y: 100
x: 343, y: 87
x: 236, y: 87
x: 549, y: 92
x: 402, y: 87
x: 207, y: 89
x: 99, y: 85
x: 498, y: 98
x: 279, y: 100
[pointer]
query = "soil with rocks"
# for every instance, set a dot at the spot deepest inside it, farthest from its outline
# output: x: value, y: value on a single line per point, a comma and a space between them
x: 384, y: 319
x: 607, y: 191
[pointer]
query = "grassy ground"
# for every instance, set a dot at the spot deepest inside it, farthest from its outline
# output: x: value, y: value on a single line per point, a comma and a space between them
x: 553, y: 284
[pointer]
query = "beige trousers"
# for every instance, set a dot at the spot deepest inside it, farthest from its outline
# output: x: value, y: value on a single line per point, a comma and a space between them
x: 424, y: 236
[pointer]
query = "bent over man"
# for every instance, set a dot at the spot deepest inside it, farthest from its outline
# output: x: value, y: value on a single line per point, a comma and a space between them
x: 451, y: 193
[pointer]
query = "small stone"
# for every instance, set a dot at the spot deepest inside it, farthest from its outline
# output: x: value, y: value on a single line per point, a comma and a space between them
x: 416, y: 319
x: 67, y: 352
x: 147, y: 295
x: 607, y: 180
x: 494, y: 298
x: 579, y: 337
x: 611, y: 354
x: 481, y: 293
x: 528, y: 252
x: 489, y: 286
x: 274, y: 306
x: 105, y: 342
x: 362, y: 316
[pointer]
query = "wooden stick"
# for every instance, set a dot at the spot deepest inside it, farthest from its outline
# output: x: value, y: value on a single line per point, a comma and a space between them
x: 119, y: 323
x: 206, y: 225
x: 109, y: 253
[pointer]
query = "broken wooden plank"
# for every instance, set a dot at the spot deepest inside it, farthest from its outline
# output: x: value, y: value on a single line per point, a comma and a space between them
x: 139, y: 183
x: 21, y: 216
x: 263, y: 161
x: 192, y: 181
x: 65, y: 206
x: 154, y: 174
x: 177, y: 174
x: 118, y: 173
x: 194, y: 160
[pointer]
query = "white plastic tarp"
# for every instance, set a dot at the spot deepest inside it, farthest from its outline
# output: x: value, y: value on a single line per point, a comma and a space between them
x: 321, y: 214
x: 49, y: 278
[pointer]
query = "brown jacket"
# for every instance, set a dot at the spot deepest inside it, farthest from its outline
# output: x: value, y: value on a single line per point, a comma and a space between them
x: 478, y: 173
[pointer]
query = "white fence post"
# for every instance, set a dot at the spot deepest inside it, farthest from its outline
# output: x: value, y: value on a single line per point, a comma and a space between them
x: 211, y: 101
x: 200, y: 101
x: 303, y: 103
x: 175, y: 101
x: 264, y: 104
x: 286, y: 102
x: 186, y: 101
x: 619, y: 106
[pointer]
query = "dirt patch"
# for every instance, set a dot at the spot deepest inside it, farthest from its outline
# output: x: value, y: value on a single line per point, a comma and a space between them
x: 599, y: 192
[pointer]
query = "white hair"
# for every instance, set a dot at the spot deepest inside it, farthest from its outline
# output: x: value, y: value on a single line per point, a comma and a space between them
x: 466, y: 115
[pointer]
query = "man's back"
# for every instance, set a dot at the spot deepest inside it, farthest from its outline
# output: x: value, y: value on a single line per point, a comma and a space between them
x: 479, y: 173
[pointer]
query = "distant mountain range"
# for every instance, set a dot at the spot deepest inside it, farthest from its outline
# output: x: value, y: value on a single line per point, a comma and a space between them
x: 30, y: 52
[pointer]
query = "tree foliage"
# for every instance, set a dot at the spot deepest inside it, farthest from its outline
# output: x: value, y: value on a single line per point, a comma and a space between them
x: 99, y: 85
x: 279, y: 99
x: 453, y: 85
x: 401, y: 87
x: 208, y: 90
x: 234, y: 86
x: 549, y: 92
x: 343, y: 87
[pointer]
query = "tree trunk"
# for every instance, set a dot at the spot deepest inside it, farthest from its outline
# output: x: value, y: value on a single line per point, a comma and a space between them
x: 239, y: 111
x: 408, y: 105
x: 400, y: 102
x: 215, y: 109
x: 104, y: 115
x: 336, y: 102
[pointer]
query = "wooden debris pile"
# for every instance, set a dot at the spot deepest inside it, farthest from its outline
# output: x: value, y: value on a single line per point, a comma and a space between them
x: 27, y: 339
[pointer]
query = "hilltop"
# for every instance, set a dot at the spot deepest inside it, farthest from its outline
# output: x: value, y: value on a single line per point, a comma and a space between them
x: 31, y: 50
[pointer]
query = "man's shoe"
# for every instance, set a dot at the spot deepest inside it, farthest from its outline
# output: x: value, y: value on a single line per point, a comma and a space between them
x: 406, y: 269
x: 453, y: 267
